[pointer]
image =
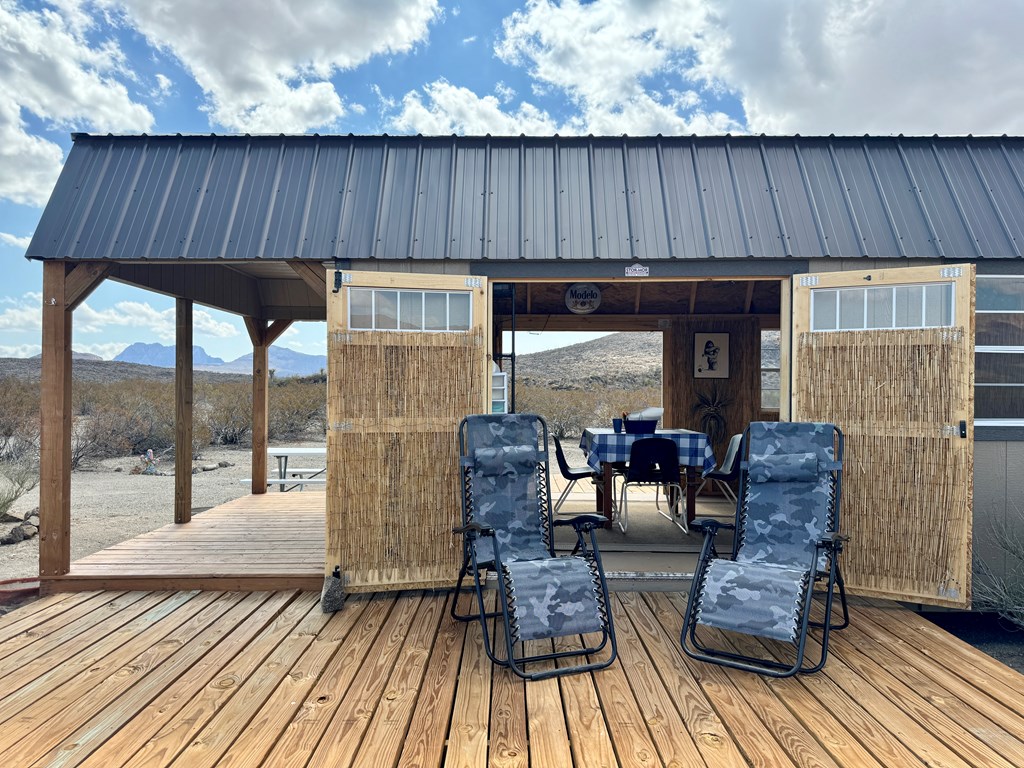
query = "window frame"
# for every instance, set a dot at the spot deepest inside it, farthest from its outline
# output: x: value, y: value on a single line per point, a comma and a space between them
x: 999, y: 349
x: 422, y: 292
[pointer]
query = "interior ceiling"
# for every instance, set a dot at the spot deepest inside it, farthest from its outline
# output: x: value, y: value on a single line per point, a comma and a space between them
x: 640, y: 303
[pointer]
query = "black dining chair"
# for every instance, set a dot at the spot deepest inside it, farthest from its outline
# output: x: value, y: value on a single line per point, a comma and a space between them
x: 653, y: 461
x: 726, y: 472
x: 572, y: 474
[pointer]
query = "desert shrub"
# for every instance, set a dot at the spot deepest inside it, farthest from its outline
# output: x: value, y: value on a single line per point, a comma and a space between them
x: 16, y: 479
x: 19, y: 419
x: 568, y: 411
x: 226, y: 412
x: 297, y: 405
x: 126, y: 417
x: 1003, y: 593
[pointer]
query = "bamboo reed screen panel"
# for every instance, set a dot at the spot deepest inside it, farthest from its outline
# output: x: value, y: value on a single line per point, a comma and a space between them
x: 898, y: 396
x: 394, y: 404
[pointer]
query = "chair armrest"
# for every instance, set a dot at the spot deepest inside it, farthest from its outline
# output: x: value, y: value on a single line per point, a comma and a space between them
x: 710, y: 526
x: 832, y: 540
x: 475, y: 529
x: 582, y: 522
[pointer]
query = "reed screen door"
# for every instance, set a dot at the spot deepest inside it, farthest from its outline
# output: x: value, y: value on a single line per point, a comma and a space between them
x: 407, y: 358
x: 888, y: 356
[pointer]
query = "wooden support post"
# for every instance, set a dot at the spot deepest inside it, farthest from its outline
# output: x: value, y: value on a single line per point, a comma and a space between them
x: 262, y: 336
x: 183, y: 411
x: 55, y: 427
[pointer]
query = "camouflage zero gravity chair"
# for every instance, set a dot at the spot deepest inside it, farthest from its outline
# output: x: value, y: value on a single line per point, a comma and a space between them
x: 786, y: 540
x: 507, y: 529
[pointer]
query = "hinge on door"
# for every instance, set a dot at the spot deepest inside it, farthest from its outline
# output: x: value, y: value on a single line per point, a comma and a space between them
x: 949, y: 430
x: 474, y: 282
x: 342, y: 426
x: 340, y: 337
x: 809, y: 280
x: 951, y: 272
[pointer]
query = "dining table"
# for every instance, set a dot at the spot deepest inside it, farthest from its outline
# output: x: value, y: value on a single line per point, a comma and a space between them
x: 604, y: 448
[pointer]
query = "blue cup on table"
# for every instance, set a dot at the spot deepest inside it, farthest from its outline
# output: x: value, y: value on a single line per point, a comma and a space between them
x: 617, y: 425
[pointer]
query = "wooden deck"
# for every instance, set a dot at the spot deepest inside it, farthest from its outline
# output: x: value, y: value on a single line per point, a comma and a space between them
x: 266, y: 541
x: 245, y: 679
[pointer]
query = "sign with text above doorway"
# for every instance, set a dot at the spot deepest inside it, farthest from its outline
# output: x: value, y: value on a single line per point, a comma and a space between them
x: 582, y: 298
x: 711, y: 355
x: 638, y: 270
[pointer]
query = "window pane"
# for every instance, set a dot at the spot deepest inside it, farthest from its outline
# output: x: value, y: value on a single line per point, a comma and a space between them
x: 385, y: 310
x: 938, y: 305
x: 999, y: 368
x: 879, y: 307
x: 1006, y: 293
x: 436, y: 312
x: 851, y: 309
x: 824, y: 310
x: 458, y: 312
x: 411, y: 310
x: 999, y: 402
x: 360, y: 312
x: 907, y: 301
x: 999, y: 330
x: 770, y: 390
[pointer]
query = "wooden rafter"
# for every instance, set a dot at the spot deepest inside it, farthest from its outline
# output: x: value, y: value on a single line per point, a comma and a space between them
x: 749, y: 301
x: 693, y: 296
x: 636, y: 300
x: 313, y: 275
x: 82, y: 279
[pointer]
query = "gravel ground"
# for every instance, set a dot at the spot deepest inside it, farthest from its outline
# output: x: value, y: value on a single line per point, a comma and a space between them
x: 110, y: 506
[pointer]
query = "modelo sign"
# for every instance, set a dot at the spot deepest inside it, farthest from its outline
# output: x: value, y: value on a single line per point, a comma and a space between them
x: 582, y: 298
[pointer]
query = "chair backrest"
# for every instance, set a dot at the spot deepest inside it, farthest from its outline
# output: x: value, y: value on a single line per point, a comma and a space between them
x: 505, y: 482
x: 563, y: 465
x: 729, y: 469
x: 653, y: 460
x: 789, y: 491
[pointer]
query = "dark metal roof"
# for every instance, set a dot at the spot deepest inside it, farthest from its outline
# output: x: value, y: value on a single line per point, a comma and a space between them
x: 505, y: 198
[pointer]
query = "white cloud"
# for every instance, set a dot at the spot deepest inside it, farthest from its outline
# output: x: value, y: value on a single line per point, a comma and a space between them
x: 142, y: 316
x: 107, y: 350
x: 14, y: 241
x: 267, y: 68
x: 468, y: 40
x: 443, y: 109
x: 22, y: 314
x: 49, y: 69
x: 20, y: 350
x: 870, y: 66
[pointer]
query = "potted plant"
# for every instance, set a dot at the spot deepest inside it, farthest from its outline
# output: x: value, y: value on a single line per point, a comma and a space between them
x: 710, y: 410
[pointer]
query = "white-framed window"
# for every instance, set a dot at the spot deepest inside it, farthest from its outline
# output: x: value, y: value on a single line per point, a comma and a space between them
x: 999, y: 351
x: 925, y: 305
x: 389, y: 309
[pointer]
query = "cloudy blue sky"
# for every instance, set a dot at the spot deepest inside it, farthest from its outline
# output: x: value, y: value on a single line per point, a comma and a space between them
x: 462, y: 66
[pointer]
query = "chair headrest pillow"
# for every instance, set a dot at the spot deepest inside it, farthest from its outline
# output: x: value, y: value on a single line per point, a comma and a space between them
x: 784, y: 468
x: 506, y: 459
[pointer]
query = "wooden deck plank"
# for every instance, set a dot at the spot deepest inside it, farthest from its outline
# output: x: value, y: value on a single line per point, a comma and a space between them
x: 351, y: 719
x: 218, y: 736
x: 232, y: 680
x: 111, y: 675
x: 309, y: 720
x: 40, y: 611
x: 170, y: 705
x: 726, y: 690
x: 186, y: 662
x: 33, y: 681
x: 711, y: 737
x: 425, y: 742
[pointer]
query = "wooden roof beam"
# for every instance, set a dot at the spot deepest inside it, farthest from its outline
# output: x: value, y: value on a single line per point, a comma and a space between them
x: 82, y: 279
x: 313, y: 274
x: 749, y: 301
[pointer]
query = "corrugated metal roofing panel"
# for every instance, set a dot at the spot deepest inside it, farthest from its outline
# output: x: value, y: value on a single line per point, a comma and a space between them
x: 434, y: 195
x: 504, y: 188
x: 239, y: 197
x: 467, y: 229
x: 646, y: 200
x: 322, y: 214
x: 685, y: 219
x: 611, y: 218
x: 721, y: 206
x: 575, y: 210
x: 290, y: 197
x: 942, y: 212
x: 362, y: 202
x: 764, y: 237
x: 397, y: 203
x: 217, y: 202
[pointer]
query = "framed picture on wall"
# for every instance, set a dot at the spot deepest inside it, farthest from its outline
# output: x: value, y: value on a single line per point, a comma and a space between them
x: 711, y: 355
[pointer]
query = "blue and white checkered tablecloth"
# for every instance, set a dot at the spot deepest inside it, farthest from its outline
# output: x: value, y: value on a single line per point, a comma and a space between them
x: 606, y: 445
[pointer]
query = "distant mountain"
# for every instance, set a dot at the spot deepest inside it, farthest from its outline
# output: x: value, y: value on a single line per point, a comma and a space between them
x: 162, y: 356
x: 283, y: 362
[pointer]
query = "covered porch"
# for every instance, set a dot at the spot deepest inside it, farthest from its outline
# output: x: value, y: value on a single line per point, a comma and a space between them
x: 132, y: 678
